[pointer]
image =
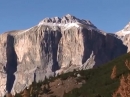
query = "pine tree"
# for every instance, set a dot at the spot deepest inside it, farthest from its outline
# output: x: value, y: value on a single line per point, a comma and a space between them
x: 113, y: 74
x: 124, y: 88
x: 127, y: 63
x: 9, y: 95
x: 31, y: 91
x: 25, y: 93
x: 45, y: 80
x: 45, y: 90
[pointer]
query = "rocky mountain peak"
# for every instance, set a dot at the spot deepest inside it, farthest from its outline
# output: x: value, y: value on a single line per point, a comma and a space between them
x: 124, y: 31
x: 69, y: 15
x: 56, y: 20
x: 67, y: 19
x: 127, y: 27
x: 46, y: 20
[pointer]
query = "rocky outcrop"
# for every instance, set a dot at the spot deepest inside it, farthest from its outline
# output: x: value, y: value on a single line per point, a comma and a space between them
x: 126, y: 41
x: 54, y: 46
x: 124, y: 31
x: 124, y: 35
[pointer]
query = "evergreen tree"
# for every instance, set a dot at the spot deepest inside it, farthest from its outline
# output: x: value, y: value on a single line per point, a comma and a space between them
x: 113, y: 74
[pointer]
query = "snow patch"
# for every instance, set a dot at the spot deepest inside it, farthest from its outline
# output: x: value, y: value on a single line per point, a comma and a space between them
x: 70, y: 25
x: 66, y: 26
x: 123, y: 33
x: 127, y: 26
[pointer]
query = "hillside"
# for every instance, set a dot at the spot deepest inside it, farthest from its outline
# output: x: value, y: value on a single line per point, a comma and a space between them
x: 96, y: 82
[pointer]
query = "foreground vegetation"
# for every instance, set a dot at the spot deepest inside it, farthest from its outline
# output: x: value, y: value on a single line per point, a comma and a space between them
x: 101, y: 81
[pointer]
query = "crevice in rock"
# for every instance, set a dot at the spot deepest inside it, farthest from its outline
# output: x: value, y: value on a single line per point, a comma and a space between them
x: 55, y: 41
x: 11, y: 65
x: 87, y: 45
x: 50, y: 47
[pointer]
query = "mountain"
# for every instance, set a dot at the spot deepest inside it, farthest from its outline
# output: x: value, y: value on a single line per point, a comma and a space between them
x: 108, y: 80
x: 124, y: 35
x: 125, y: 31
x: 54, y: 46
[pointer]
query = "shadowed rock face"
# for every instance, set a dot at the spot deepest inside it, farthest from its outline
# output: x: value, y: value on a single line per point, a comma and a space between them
x: 124, y: 35
x: 53, y: 46
x: 104, y: 47
x: 11, y: 65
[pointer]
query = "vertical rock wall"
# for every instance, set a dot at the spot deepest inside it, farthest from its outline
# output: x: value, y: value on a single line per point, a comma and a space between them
x: 41, y: 51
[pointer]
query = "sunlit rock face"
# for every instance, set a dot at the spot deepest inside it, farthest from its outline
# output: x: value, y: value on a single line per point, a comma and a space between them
x: 124, y: 35
x: 54, y: 46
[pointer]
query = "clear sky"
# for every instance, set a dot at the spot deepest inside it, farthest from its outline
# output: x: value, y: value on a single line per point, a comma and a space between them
x: 107, y: 15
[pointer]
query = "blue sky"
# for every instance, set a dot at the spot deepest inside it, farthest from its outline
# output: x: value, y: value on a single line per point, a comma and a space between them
x: 107, y: 15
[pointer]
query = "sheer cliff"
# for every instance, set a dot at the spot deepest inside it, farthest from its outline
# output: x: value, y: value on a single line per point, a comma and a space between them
x: 124, y: 35
x: 54, y: 46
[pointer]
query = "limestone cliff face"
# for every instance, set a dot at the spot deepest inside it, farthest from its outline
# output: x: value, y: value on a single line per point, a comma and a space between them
x: 54, y: 46
x: 124, y: 35
x: 126, y: 41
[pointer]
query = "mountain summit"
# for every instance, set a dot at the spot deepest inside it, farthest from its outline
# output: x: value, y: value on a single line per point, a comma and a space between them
x: 64, y: 20
x: 127, y: 27
x: 124, y: 31
x: 67, y: 22
x: 124, y: 35
x: 54, y: 46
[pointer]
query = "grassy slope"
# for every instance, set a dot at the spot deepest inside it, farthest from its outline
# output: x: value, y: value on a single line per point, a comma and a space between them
x: 98, y: 81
